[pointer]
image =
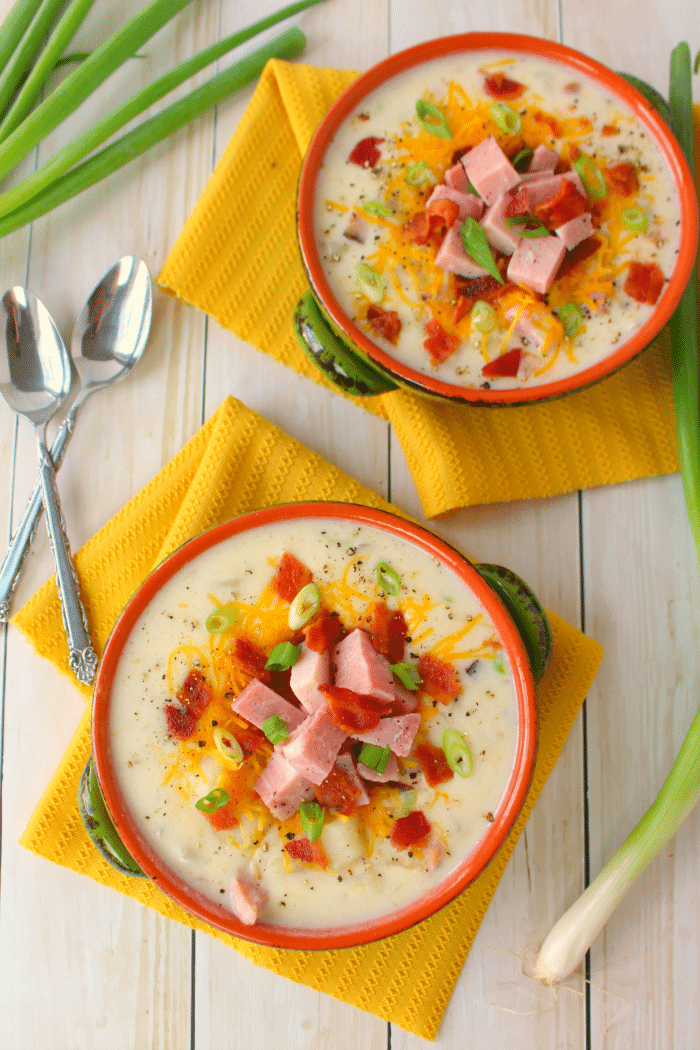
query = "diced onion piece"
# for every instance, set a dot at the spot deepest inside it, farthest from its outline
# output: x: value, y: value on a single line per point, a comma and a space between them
x: 370, y: 282
x: 304, y: 606
x: 505, y: 117
x: 476, y: 245
x: 213, y: 801
x: 311, y: 815
x: 483, y: 316
x: 387, y: 578
x: 592, y: 177
x: 407, y: 674
x: 571, y: 316
x: 419, y: 174
x: 275, y: 729
x: 227, y: 744
x: 282, y: 657
x: 408, y: 802
x: 222, y: 619
x: 375, y: 757
x: 634, y: 219
x: 458, y: 753
x: 432, y: 119
x: 377, y: 208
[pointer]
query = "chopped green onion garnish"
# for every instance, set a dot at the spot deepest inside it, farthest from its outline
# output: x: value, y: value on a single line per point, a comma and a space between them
x: 471, y: 188
x: 522, y: 158
x: 311, y: 819
x: 432, y: 119
x: 375, y: 757
x: 634, y: 219
x: 523, y: 224
x: 419, y: 174
x: 213, y: 801
x: 407, y: 674
x: 222, y: 619
x: 378, y: 209
x: 483, y: 316
x: 458, y: 753
x: 275, y: 729
x: 499, y: 665
x: 571, y: 317
x: 228, y: 745
x: 387, y: 578
x: 408, y: 802
x: 371, y: 283
x: 592, y: 177
x: 283, y: 656
x: 505, y: 117
x: 304, y: 606
x: 476, y: 245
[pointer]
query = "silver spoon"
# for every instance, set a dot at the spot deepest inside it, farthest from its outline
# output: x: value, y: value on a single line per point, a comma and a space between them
x: 35, y: 379
x: 108, y: 339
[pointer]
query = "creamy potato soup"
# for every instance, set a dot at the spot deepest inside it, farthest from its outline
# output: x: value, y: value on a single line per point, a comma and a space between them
x: 327, y: 772
x: 495, y: 220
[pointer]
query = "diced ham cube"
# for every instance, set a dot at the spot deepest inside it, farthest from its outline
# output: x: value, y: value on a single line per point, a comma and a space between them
x: 489, y: 170
x: 452, y: 257
x: 575, y: 230
x: 390, y: 773
x: 543, y: 159
x: 281, y: 787
x: 346, y: 764
x: 247, y: 899
x: 257, y: 702
x: 456, y: 177
x: 405, y: 701
x: 397, y: 733
x: 535, y: 262
x: 499, y: 233
x: 358, y: 666
x: 546, y: 186
x: 469, y: 205
x: 311, y: 670
x: 313, y: 748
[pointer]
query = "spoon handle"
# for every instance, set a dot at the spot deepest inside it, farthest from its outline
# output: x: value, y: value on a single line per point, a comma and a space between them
x: 83, y: 659
x: 24, y: 534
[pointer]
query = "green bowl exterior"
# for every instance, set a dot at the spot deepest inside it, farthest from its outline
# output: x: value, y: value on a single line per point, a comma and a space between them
x: 526, y: 611
x: 99, y: 826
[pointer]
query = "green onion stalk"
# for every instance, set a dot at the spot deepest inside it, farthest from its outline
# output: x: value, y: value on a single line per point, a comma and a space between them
x: 569, y: 940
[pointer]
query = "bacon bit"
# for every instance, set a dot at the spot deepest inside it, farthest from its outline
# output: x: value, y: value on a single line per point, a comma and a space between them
x: 385, y: 322
x: 291, y: 576
x: 417, y: 229
x: 442, y: 214
x: 517, y: 205
x: 366, y: 153
x: 624, y: 178
x: 337, y: 791
x: 567, y: 203
x: 180, y: 723
x: 461, y: 309
x: 353, y: 712
x: 644, y: 282
x: 577, y: 255
x: 439, y: 678
x: 609, y: 129
x: 505, y: 365
x: 498, y: 85
x: 412, y: 830
x: 485, y: 287
x: 388, y: 630
x: 224, y: 818
x: 308, y: 852
x: 249, y: 659
x: 439, y: 344
x: 194, y: 693
x: 549, y: 121
x: 250, y: 739
x: 433, y: 763
x: 324, y: 632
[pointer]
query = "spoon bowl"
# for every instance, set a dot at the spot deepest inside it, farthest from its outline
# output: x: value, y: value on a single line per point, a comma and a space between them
x: 35, y: 376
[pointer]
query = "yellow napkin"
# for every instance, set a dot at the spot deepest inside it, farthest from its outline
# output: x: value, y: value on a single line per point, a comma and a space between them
x: 237, y: 259
x: 236, y: 463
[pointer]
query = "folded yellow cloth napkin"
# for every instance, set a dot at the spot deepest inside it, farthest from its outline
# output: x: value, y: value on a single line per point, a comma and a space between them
x: 236, y: 463
x: 237, y: 259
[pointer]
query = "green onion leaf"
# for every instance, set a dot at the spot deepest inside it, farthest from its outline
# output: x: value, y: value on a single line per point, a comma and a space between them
x: 375, y: 757
x: 477, y: 246
x: 24, y: 54
x: 592, y: 178
x: 387, y: 578
x: 499, y: 665
x: 304, y: 606
x: 283, y: 656
x: 275, y: 729
x: 571, y: 316
x: 222, y: 619
x: 419, y: 174
x: 213, y: 801
x: 505, y: 117
x: 634, y: 219
x: 432, y: 119
x: 15, y: 26
x: 527, y: 225
x: 471, y: 188
x: 370, y: 282
x: 458, y: 753
x: 483, y: 316
x: 407, y: 674
x: 377, y: 208
x: 311, y: 815
x: 408, y: 802
x: 227, y: 744
x: 522, y: 158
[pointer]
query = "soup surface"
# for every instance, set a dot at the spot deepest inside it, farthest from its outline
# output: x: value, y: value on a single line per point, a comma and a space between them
x: 495, y: 220
x: 375, y: 774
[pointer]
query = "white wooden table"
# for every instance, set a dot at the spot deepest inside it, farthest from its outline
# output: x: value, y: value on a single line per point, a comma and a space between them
x: 83, y: 967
